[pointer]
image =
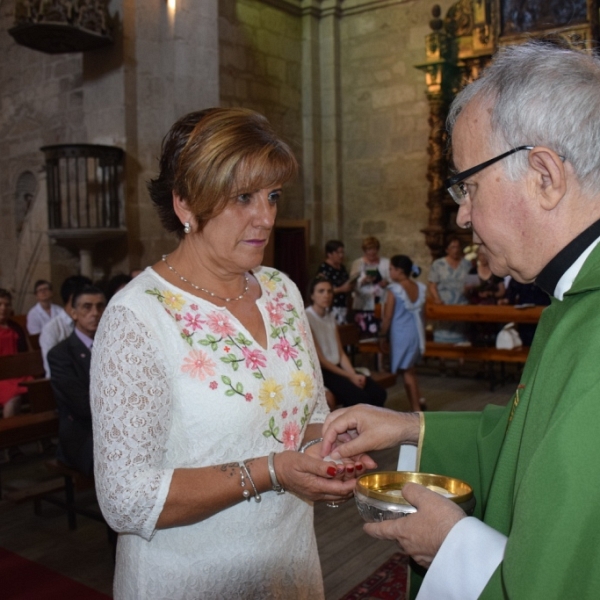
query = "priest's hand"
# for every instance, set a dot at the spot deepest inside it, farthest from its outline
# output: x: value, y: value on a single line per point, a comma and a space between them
x: 420, y: 534
x: 348, y: 432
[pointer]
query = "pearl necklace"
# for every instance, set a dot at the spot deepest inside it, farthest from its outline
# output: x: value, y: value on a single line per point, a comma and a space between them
x: 201, y: 289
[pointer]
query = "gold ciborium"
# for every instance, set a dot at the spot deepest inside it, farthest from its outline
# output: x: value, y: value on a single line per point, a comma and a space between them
x: 379, y: 497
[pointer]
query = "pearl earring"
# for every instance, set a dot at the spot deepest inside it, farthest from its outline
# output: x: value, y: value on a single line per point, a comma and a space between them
x: 186, y: 227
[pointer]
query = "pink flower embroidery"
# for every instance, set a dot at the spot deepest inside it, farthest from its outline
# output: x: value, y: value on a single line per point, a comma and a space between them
x: 220, y: 324
x: 291, y: 435
x: 178, y: 317
x: 285, y: 350
x: 213, y: 385
x: 193, y: 321
x: 254, y: 358
x: 194, y: 306
x: 227, y: 348
x: 186, y: 332
x: 284, y: 414
x: 295, y: 411
x: 275, y: 313
x: 198, y: 364
x: 248, y: 397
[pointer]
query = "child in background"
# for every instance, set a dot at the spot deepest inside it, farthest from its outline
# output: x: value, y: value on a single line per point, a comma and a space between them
x: 403, y: 324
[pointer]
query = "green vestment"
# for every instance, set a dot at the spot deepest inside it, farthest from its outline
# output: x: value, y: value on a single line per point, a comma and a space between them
x: 535, y: 464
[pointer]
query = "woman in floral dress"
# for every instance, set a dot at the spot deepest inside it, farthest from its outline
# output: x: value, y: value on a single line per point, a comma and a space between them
x: 205, y: 384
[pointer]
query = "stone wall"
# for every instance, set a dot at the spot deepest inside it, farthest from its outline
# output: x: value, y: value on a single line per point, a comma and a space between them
x: 260, y: 56
x: 336, y: 78
x: 384, y: 127
x: 41, y: 103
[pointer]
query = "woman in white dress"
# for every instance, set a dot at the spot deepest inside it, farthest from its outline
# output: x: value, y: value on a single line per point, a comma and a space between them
x: 205, y: 384
x: 372, y: 275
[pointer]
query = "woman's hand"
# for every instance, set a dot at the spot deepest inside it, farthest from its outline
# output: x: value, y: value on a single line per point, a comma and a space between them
x: 353, y: 466
x: 358, y: 380
x: 313, y: 478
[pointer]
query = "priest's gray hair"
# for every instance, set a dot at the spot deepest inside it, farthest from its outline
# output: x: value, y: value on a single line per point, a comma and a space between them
x: 541, y: 95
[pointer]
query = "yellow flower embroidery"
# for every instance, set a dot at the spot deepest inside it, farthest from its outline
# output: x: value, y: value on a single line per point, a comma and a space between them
x: 173, y: 300
x: 302, y: 385
x: 270, y: 395
x: 268, y: 283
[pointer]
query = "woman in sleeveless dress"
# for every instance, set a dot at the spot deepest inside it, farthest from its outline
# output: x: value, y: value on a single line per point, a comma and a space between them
x: 403, y: 323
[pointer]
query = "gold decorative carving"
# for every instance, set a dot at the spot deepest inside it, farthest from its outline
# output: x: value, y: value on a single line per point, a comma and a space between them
x: 458, y: 49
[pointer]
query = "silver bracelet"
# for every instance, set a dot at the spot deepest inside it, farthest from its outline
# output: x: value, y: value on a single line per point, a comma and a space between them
x: 246, y: 493
x: 311, y: 443
x: 277, y: 487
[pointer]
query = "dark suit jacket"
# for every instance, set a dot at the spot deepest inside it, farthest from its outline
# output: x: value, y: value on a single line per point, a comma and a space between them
x: 69, y: 363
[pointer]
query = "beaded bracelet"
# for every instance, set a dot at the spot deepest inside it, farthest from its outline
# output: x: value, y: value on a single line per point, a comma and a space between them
x: 245, y: 492
x: 311, y: 443
x: 277, y: 487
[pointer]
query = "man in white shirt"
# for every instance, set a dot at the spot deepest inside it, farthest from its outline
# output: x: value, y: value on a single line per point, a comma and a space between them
x: 61, y: 326
x: 44, y: 310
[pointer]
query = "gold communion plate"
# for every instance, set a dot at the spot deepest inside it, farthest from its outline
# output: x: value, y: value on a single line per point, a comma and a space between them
x: 387, y: 486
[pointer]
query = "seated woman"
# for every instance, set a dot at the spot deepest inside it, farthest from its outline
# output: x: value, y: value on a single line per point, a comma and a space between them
x: 403, y: 323
x: 339, y: 376
x: 12, y: 340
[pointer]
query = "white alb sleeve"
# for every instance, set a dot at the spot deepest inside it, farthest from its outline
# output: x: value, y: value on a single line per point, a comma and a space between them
x: 465, y: 562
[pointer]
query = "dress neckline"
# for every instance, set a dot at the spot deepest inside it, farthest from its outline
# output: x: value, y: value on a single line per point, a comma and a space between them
x: 240, y: 325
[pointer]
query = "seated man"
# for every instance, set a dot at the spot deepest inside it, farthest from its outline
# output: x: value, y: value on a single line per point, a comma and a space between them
x: 69, y: 363
x: 61, y: 326
x: 43, y: 310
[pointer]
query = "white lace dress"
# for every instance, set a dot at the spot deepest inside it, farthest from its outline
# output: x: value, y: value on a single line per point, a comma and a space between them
x: 177, y: 382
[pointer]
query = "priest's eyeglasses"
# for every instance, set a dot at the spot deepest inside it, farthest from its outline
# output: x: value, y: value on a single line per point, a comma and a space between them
x: 456, y: 184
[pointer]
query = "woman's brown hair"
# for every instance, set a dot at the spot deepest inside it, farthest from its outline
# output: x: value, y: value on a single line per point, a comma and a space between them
x: 211, y: 156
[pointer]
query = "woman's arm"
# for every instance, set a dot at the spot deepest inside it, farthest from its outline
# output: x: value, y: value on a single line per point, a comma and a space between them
x: 337, y: 369
x: 388, y: 312
x: 433, y: 291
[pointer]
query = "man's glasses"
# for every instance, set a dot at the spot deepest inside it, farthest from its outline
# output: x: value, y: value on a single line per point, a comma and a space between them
x: 456, y: 184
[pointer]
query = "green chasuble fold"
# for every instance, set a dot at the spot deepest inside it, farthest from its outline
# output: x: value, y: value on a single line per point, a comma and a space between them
x: 535, y: 464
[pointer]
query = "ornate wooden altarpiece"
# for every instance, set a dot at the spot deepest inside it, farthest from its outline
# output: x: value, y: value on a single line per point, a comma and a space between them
x: 460, y: 46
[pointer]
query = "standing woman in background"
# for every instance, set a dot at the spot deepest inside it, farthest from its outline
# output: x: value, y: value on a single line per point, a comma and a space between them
x: 372, y: 274
x: 403, y: 322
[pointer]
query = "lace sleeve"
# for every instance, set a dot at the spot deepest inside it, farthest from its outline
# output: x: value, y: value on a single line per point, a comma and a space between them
x: 130, y: 401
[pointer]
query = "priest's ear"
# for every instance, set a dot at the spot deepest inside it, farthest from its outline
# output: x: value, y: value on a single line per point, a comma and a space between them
x: 548, y: 177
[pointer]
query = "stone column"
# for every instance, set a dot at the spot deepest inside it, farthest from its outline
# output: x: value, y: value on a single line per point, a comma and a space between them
x: 321, y: 112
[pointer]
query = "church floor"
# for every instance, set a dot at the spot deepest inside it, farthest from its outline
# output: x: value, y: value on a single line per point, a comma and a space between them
x: 347, y: 554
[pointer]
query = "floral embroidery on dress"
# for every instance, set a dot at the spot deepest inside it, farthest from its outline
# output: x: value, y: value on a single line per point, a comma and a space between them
x: 216, y: 336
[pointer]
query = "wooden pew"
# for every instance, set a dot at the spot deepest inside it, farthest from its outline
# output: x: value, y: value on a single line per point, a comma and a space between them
x: 42, y: 420
x: 350, y: 338
x: 486, y: 314
x: 472, y: 313
x: 22, y: 364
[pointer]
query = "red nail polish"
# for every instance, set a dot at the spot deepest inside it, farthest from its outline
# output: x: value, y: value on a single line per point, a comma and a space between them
x: 359, y: 467
x: 350, y: 469
x: 331, y: 471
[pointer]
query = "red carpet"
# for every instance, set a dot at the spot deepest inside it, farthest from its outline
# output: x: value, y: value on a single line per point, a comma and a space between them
x: 388, y: 582
x: 22, y: 579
